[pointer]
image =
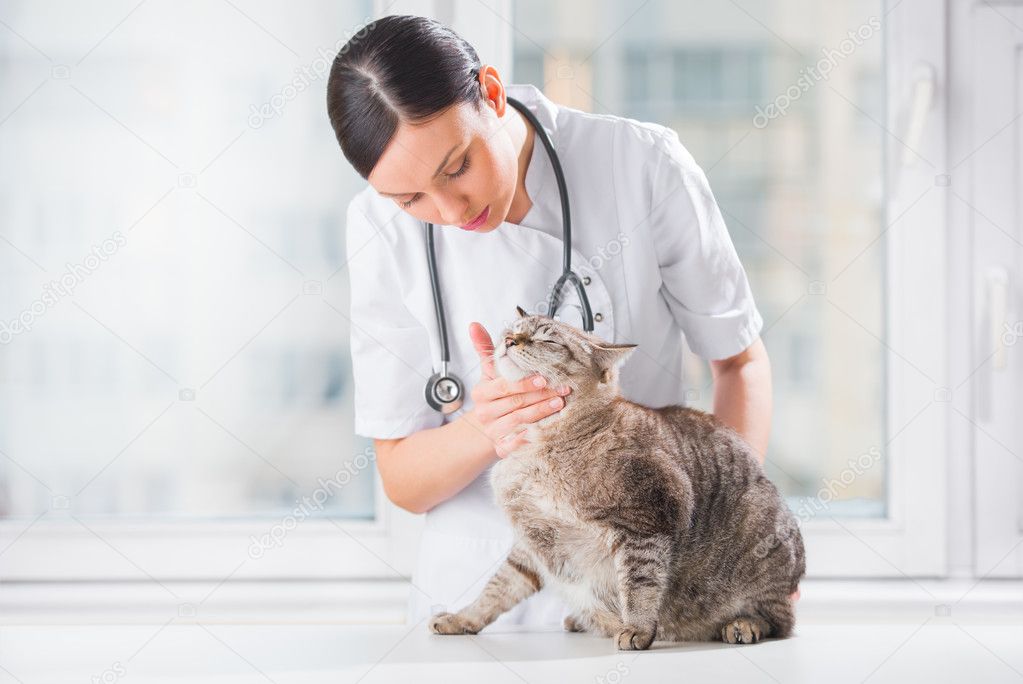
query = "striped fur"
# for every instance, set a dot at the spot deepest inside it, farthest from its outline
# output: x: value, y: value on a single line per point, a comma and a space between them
x: 651, y: 523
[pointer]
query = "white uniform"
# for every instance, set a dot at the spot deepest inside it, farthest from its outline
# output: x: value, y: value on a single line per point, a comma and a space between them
x: 649, y: 241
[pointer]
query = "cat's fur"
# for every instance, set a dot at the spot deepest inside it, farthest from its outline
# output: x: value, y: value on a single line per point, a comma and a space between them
x: 650, y: 523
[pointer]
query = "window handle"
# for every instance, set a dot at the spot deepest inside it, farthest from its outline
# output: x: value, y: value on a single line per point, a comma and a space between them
x: 993, y: 335
x: 920, y: 105
x: 998, y: 298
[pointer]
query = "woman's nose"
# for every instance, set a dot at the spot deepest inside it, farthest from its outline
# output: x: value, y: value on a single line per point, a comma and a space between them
x: 452, y: 209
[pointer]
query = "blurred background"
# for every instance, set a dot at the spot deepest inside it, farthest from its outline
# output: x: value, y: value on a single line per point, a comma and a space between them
x: 215, y: 325
x: 175, y: 381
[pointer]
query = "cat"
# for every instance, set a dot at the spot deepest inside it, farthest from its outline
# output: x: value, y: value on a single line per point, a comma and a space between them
x: 651, y: 524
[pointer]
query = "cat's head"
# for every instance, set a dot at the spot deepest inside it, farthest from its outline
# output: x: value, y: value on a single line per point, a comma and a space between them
x: 563, y: 354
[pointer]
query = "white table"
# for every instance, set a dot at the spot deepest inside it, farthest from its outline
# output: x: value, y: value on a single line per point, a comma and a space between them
x: 912, y: 648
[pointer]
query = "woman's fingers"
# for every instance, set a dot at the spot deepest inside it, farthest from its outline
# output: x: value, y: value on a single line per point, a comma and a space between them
x: 485, y: 348
x: 510, y: 443
x: 520, y: 400
x: 502, y: 405
x: 529, y: 414
x: 499, y: 388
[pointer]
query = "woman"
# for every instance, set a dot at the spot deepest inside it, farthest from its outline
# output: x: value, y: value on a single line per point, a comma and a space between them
x: 429, y: 126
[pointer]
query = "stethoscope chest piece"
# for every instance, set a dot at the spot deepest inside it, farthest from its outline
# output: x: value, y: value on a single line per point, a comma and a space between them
x: 444, y: 391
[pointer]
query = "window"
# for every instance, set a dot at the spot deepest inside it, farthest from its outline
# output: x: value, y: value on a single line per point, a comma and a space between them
x: 174, y: 353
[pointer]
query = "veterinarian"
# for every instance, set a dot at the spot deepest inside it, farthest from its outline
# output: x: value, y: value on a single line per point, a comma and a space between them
x: 431, y: 129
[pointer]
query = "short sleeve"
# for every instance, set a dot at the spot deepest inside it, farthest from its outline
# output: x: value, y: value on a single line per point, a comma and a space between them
x: 702, y: 279
x: 390, y: 348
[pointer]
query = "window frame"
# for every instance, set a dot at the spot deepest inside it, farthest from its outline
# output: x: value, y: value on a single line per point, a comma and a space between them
x: 985, y: 199
x: 911, y: 540
x: 167, y: 550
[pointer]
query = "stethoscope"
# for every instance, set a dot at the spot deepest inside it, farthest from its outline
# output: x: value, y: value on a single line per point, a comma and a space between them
x: 444, y: 390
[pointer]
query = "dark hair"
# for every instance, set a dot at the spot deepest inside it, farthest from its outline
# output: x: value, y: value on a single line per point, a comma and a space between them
x: 400, y: 68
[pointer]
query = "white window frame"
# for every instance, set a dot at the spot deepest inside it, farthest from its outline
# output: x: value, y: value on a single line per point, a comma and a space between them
x: 168, y: 550
x: 911, y: 540
x: 984, y: 197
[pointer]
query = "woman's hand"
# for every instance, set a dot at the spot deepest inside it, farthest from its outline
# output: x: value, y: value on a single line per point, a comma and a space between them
x: 501, y: 406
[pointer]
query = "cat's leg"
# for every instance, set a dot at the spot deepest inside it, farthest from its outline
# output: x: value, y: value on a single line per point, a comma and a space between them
x: 780, y: 616
x: 641, y: 564
x: 602, y: 622
x: 514, y: 581
x: 574, y: 624
x: 770, y: 618
x: 607, y: 623
x: 744, y: 630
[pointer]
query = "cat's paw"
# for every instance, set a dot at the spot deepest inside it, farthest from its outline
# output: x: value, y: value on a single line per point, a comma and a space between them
x: 573, y: 624
x: 742, y: 631
x: 633, y: 638
x: 451, y: 623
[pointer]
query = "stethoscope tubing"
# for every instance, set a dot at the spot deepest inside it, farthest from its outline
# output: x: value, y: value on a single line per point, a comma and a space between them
x: 567, y: 274
x: 438, y: 303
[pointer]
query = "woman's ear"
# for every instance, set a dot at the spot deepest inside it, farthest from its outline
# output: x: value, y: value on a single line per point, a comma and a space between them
x: 493, y: 88
x: 608, y: 357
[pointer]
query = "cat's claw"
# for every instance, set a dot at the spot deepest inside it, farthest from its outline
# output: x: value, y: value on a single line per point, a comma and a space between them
x: 451, y: 623
x: 741, y: 631
x: 635, y: 638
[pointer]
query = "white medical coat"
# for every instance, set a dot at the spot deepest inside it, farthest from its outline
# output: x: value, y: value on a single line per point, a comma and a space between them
x: 649, y: 240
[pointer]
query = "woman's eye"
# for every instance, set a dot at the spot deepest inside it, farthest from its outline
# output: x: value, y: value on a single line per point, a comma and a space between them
x: 415, y: 198
x: 462, y: 170
x: 412, y: 200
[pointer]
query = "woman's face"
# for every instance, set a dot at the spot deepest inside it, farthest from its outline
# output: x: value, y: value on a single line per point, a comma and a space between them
x: 460, y: 166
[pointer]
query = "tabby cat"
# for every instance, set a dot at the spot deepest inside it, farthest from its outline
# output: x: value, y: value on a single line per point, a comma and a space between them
x: 652, y: 524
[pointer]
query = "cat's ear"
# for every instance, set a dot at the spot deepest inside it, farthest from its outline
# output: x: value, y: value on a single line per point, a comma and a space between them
x: 607, y: 357
x: 522, y: 313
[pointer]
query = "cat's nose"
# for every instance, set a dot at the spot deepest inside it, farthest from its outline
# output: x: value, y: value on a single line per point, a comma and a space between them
x: 512, y: 340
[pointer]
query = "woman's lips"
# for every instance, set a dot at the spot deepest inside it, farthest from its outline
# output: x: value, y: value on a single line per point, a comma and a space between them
x: 478, y: 221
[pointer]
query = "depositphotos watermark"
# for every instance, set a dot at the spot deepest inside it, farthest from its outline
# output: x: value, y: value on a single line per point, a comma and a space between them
x: 305, y: 76
x: 309, y: 504
x: 608, y: 251
x: 74, y: 275
x: 1012, y: 333
x: 808, y: 508
x: 614, y: 674
x: 812, y: 75
x: 110, y: 675
x: 597, y: 261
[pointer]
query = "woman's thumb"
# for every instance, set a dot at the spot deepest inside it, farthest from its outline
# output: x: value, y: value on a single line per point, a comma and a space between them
x: 484, y: 347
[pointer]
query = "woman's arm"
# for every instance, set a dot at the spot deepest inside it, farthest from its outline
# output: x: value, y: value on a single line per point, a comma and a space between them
x: 432, y: 465
x: 429, y: 466
x: 742, y: 395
